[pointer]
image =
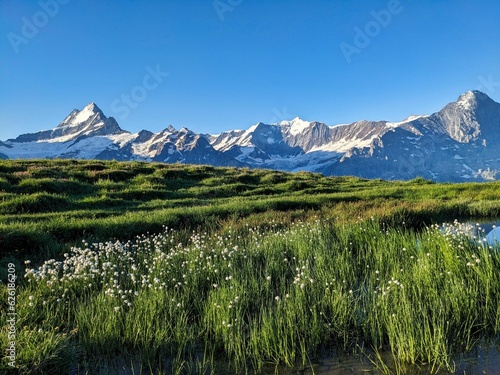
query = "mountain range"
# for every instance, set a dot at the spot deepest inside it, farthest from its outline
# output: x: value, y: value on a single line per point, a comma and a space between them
x: 458, y: 143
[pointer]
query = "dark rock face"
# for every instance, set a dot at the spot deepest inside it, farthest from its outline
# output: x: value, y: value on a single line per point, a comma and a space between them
x: 458, y: 143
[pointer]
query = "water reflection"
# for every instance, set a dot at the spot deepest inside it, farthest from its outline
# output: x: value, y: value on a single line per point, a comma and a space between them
x: 483, y: 359
x: 478, y: 230
x: 493, y: 237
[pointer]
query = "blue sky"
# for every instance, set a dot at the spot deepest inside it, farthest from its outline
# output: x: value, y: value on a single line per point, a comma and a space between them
x: 224, y: 64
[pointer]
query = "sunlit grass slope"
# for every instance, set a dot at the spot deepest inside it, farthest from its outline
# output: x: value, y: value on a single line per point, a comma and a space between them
x: 46, y: 204
x: 180, y: 268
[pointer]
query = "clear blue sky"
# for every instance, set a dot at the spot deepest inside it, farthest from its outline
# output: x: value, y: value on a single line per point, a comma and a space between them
x: 232, y: 63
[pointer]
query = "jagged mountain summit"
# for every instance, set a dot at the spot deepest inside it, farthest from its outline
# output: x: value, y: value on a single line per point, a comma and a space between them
x: 89, y: 134
x: 458, y: 143
x: 85, y: 123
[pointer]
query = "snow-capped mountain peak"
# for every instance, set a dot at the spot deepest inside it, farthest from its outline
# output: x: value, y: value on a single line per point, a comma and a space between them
x: 76, y: 117
x: 88, y: 122
x: 295, y: 126
x: 458, y: 143
x: 468, y: 100
x: 471, y: 118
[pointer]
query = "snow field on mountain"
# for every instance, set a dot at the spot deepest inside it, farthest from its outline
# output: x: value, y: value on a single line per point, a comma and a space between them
x: 368, y: 149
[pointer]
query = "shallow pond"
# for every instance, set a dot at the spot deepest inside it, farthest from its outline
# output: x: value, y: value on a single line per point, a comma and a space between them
x: 484, y: 359
x: 476, y: 229
x: 479, y: 361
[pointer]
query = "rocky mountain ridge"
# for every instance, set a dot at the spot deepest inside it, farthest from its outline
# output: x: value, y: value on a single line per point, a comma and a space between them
x: 458, y: 143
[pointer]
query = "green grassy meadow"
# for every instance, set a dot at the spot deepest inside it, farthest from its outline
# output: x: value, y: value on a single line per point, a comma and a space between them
x: 185, y: 267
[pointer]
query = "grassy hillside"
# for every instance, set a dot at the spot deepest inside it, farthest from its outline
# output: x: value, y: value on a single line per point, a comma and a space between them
x: 47, y: 204
x: 183, y: 267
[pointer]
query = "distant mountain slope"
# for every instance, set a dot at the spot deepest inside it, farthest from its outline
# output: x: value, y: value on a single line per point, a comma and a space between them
x: 458, y: 143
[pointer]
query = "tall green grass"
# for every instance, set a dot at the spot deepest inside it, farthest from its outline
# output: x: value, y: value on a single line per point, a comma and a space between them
x: 47, y: 205
x: 251, y: 297
x: 246, y: 277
